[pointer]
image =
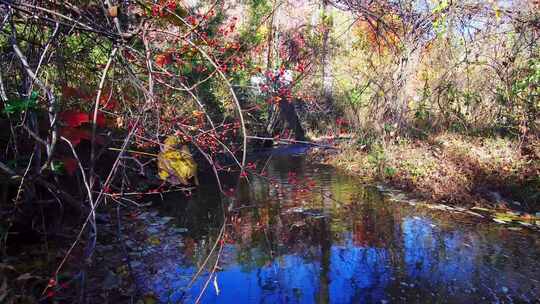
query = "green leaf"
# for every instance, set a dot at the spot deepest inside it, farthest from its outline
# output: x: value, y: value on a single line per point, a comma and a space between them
x: 16, y: 106
x: 441, y: 6
x: 58, y: 167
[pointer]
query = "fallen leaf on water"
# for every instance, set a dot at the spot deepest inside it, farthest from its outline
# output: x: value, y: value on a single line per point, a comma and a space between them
x: 154, y: 240
x: 148, y: 299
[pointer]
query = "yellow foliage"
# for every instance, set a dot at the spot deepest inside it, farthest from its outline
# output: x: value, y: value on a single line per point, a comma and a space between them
x: 175, y: 162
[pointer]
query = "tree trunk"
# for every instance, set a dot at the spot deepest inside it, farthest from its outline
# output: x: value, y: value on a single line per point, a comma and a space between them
x: 403, y: 86
x: 286, y: 118
x: 270, y: 40
x: 326, y: 65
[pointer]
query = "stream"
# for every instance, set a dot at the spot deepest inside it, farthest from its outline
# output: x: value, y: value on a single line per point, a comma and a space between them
x: 306, y: 233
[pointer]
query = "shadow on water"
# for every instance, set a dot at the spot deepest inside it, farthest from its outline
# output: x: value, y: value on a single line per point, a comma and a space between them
x: 338, y: 242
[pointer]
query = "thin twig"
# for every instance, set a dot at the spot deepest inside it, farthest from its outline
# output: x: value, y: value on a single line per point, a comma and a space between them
x: 95, y: 114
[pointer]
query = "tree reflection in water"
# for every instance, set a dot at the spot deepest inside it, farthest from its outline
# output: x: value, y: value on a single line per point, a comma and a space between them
x: 340, y: 243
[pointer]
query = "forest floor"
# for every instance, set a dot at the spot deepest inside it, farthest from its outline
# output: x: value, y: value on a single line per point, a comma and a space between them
x: 448, y: 168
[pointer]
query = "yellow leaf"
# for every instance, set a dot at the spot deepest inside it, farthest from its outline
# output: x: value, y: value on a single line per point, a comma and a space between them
x: 154, y: 240
x: 175, y: 162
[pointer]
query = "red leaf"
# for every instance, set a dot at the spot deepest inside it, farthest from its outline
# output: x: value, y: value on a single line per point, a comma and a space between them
x: 108, y: 103
x: 163, y: 59
x: 70, y: 165
x: 75, y: 135
x: 70, y: 92
x: 74, y: 118
x: 100, y: 120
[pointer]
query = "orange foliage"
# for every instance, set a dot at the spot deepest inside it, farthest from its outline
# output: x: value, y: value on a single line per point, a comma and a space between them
x: 163, y: 59
x: 382, y: 34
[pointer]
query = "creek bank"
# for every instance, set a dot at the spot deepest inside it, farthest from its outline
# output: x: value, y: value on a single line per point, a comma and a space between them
x: 452, y: 169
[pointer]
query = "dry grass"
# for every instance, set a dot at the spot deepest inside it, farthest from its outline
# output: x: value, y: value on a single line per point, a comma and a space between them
x: 451, y: 168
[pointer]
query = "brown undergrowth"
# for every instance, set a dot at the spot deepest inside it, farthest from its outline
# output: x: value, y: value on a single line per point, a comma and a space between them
x: 450, y: 168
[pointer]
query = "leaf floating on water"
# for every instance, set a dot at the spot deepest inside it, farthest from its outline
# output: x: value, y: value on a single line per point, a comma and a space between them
x: 148, y: 299
x: 154, y: 240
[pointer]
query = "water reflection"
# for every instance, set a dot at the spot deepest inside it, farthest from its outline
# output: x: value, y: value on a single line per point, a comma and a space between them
x: 339, y: 243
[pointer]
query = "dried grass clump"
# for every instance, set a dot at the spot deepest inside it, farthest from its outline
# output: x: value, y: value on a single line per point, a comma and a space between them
x: 451, y: 168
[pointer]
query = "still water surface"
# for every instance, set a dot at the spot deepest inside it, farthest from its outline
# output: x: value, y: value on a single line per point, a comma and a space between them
x: 315, y: 235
